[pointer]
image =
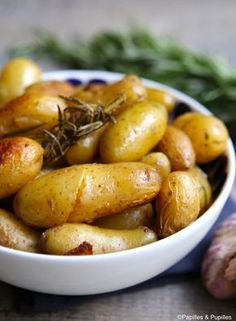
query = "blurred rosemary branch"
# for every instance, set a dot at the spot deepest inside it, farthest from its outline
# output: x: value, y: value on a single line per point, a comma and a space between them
x: 208, y: 79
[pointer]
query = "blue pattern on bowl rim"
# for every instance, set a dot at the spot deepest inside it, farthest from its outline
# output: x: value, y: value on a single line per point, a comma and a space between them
x: 76, y: 81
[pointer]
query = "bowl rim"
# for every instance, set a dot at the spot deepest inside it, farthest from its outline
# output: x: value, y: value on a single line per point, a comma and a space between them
x: 109, y: 76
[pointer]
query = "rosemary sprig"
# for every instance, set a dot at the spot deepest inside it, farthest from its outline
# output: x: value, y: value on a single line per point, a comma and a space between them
x: 74, y: 123
x: 208, y: 79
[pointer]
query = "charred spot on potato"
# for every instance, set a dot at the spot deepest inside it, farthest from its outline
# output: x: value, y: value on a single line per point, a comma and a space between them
x: 84, y: 248
x: 206, y: 135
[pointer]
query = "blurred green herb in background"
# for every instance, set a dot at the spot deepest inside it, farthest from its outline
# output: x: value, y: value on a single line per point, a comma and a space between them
x: 208, y: 79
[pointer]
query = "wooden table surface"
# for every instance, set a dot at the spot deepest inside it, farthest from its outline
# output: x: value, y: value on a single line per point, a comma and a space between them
x: 203, y: 25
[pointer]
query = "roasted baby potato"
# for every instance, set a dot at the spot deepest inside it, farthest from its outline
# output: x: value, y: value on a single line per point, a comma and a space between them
x: 85, y: 149
x: 83, y: 239
x: 130, y: 87
x: 161, y: 97
x: 91, y: 208
x: 208, y: 134
x: 181, y: 120
x: 177, y: 146
x: 136, y: 131
x: 16, y: 235
x: 20, y: 161
x: 82, y: 193
x: 29, y: 111
x: 16, y: 75
x: 90, y: 93
x: 51, y: 88
x: 44, y: 171
x: 160, y: 161
x: 178, y: 203
x: 204, y: 188
x: 129, y: 219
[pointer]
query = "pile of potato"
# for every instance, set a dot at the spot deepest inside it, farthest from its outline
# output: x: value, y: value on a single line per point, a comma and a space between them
x: 125, y: 185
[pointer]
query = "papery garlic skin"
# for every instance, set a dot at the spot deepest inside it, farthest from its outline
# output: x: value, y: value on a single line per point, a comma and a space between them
x: 219, y: 264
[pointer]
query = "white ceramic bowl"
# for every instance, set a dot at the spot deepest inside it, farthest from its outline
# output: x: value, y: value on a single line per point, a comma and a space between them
x: 109, y: 272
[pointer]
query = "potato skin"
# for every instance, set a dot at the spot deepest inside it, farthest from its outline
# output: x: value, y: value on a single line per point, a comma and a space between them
x: 29, y: 110
x: 20, y: 161
x: 178, y: 203
x: 160, y: 161
x: 177, y: 146
x: 208, y: 134
x: 16, y: 235
x: 130, y: 87
x: 16, y: 75
x: 161, y: 97
x: 183, y: 119
x: 51, y: 88
x: 44, y: 171
x: 82, y: 193
x: 204, y: 188
x: 129, y: 219
x: 83, y: 239
x: 85, y: 149
x: 136, y: 131
x: 91, y: 93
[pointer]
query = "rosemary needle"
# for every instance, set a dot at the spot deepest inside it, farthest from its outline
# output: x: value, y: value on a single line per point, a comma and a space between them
x: 74, y: 123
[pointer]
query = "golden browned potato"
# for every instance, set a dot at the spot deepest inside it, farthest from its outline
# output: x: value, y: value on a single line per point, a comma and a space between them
x: 130, y: 87
x: 204, y: 188
x: 51, y: 88
x: 16, y: 235
x: 16, y: 75
x: 161, y: 97
x: 208, y: 134
x: 44, y: 171
x: 83, y: 239
x: 129, y: 219
x: 28, y: 111
x: 90, y: 93
x: 181, y: 120
x: 20, y: 161
x: 160, y: 161
x: 177, y: 146
x: 178, y: 203
x: 82, y: 193
x: 85, y: 149
x: 136, y: 131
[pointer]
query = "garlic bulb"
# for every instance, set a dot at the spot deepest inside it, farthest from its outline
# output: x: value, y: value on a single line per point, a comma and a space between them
x: 219, y: 264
